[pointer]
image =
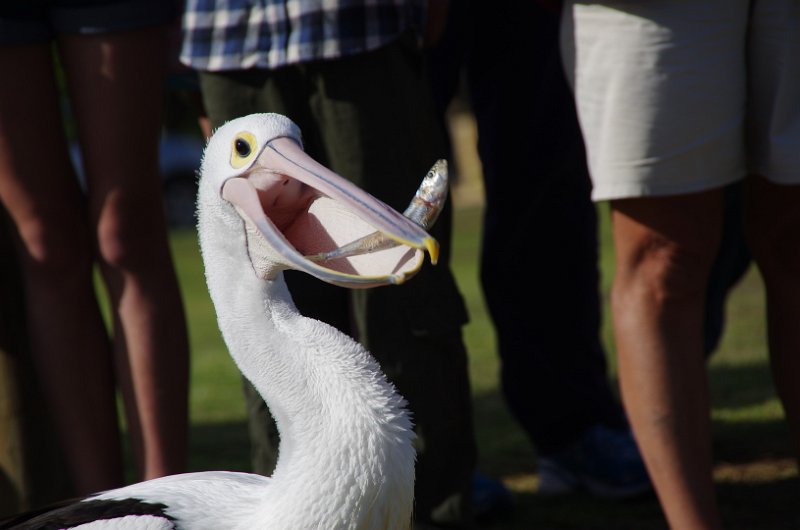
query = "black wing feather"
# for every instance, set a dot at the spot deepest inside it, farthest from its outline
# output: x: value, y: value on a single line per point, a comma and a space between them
x: 73, y: 513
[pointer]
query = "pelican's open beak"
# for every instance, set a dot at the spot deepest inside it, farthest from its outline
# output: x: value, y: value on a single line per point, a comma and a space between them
x: 295, y: 207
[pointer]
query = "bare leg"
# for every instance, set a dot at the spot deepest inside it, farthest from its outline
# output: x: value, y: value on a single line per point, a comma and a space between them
x: 116, y: 86
x: 68, y: 339
x: 665, y: 248
x: 772, y: 226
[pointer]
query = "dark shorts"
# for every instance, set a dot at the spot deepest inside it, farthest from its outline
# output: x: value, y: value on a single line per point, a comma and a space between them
x: 37, y: 21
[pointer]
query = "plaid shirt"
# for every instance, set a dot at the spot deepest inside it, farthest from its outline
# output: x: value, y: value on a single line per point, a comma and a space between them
x: 240, y: 34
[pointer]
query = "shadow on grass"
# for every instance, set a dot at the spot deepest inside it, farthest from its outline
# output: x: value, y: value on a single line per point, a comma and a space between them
x: 220, y: 446
x: 762, y: 506
x: 507, y: 454
x: 579, y: 512
x: 741, y: 385
x: 749, y: 425
x: 746, y: 442
x: 771, y: 505
x: 757, y: 485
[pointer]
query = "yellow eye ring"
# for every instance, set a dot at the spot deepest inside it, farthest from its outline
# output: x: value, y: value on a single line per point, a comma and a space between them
x: 243, y: 149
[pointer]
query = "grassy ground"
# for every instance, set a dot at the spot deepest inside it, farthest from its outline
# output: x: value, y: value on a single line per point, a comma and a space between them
x: 757, y: 480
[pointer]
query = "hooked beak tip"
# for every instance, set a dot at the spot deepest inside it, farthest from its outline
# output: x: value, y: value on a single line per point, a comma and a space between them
x: 433, y: 249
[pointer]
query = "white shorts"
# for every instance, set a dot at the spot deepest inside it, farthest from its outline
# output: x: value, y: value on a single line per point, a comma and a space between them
x: 679, y: 96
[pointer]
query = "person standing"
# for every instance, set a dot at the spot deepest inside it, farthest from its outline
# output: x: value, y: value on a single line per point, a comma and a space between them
x: 676, y: 101
x: 539, y: 256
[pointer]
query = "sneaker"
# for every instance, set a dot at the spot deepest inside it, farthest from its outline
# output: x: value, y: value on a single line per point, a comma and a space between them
x: 604, y: 462
x: 489, y: 497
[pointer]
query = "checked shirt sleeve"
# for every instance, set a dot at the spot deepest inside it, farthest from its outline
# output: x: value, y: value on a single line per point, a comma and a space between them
x: 223, y: 35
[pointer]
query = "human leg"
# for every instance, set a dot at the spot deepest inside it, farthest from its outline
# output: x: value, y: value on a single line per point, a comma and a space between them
x: 772, y: 191
x: 772, y: 227
x: 115, y: 81
x: 32, y: 464
x: 664, y: 249
x: 538, y: 197
x: 662, y: 113
x: 444, y: 67
x: 68, y: 339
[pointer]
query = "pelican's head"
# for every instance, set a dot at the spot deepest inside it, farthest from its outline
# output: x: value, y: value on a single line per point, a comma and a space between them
x: 257, y: 177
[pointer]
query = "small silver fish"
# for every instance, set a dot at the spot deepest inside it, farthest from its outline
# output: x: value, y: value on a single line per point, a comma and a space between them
x: 429, y: 200
x: 424, y: 209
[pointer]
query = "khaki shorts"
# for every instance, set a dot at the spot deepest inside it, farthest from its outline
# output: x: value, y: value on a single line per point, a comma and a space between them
x: 678, y: 96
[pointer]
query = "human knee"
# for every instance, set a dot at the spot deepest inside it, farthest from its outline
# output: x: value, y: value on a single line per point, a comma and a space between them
x: 667, y: 270
x: 55, y: 251
x: 131, y: 234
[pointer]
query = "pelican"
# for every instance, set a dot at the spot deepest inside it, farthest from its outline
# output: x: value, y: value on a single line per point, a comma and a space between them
x: 346, y: 456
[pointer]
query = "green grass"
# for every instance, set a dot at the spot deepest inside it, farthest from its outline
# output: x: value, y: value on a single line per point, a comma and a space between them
x: 758, y: 484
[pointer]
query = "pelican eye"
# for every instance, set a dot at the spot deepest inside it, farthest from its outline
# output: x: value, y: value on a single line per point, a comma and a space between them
x: 243, y: 149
